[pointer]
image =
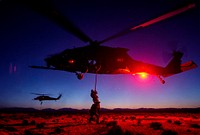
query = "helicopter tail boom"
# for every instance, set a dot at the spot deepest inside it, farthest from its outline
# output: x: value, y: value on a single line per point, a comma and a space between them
x: 175, y: 66
x: 188, y: 65
x: 59, y: 97
x: 184, y: 67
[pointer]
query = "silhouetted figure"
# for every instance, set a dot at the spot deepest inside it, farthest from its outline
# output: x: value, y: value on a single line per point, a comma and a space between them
x: 95, y: 108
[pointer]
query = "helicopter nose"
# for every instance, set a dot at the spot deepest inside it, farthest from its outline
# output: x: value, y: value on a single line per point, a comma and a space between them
x: 35, y: 98
x: 47, y: 60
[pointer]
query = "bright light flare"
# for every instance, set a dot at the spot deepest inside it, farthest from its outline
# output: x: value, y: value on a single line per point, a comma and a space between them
x: 142, y: 75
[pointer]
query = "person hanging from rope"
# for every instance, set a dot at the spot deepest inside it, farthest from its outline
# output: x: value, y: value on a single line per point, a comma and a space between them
x: 95, y: 108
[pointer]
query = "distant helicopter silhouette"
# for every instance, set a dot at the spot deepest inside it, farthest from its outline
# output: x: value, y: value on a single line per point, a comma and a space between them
x: 43, y: 97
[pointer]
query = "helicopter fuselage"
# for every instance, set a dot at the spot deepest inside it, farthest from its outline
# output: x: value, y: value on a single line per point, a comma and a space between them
x: 98, y: 59
x: 43, y: 97
x: 109, y: 60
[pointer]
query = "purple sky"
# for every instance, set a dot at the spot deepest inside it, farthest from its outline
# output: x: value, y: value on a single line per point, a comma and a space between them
x: 26, y: 38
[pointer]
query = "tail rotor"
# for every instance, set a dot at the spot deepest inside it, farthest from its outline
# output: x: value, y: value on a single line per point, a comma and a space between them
x: 174, y: 48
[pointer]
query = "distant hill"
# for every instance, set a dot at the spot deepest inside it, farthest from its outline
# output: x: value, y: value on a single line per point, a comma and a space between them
x: 103, y: 110
x: 17, y: 109
x: 159, y: 110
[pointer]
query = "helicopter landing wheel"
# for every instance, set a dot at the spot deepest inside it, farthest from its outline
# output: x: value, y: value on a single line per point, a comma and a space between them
x: 79, y: 76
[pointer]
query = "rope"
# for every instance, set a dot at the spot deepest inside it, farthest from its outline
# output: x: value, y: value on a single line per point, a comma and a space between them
x: 95, y: 84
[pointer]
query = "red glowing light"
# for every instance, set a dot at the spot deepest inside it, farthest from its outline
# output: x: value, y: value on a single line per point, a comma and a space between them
x: 71, y: 61
x: 142, y: 75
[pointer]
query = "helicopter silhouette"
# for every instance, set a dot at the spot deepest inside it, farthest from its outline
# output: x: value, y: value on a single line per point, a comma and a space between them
x: 43, y: 97
x: 99, y: 59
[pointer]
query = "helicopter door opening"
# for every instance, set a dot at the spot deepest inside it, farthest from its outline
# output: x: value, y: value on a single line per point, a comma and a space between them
x: 92, y: 62
x: 93, y: 66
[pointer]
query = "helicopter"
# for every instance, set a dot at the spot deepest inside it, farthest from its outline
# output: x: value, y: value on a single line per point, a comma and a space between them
x: 95, y: 58
x: 43, y: 97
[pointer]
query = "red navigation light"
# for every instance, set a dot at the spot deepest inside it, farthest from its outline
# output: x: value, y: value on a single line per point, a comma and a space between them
x: 142, y: 75
x: 145, y: 79
x: 71, y: 61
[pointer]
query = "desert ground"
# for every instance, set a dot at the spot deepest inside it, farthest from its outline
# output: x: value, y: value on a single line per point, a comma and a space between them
x: 121, y: 123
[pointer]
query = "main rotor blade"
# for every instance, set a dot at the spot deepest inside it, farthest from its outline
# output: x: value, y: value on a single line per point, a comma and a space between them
x: 46, y: 8
x: 165, y: 16
x: 150, y: 22
x: 40, y: 94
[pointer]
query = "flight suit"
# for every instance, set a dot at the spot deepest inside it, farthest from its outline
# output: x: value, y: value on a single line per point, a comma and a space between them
x: 95, y: 108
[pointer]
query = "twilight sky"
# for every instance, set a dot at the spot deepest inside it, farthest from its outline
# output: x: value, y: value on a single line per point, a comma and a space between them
x: 27, y: 37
